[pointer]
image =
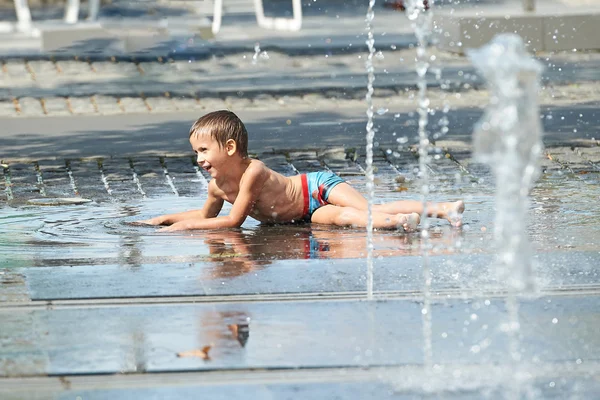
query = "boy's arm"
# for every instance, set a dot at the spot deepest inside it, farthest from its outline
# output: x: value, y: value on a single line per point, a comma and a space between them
x: 250, y: 187
x: 211, y: 209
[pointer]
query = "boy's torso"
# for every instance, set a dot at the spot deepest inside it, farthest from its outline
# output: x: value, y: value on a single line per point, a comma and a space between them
x: 280, y: 199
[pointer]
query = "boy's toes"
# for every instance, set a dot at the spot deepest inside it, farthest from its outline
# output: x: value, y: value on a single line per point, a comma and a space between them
x: 456, y: 215
x: 411, y: 223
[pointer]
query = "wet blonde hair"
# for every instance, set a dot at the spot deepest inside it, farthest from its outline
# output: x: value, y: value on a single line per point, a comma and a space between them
x: 222, y: 125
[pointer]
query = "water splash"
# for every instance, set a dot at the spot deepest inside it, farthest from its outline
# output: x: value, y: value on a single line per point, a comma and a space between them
x: 508, y: 138
x: 7, y: 182
x: 71, y: 177
x: 136, y: 179
x: 422, y: 26
x: 256, y: 53
x: 103, y: 178
x: 168, y: 177
x: 370, y: 136
x: 40, y: 179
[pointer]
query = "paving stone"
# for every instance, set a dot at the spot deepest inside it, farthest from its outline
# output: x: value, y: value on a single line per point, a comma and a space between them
x: 291, y: 101
x: 152, y: 69
x: 150, y: 89
x: 152, y: 177
x: 107, y: 105
x: 305, y: 161
x: 237, y: 103
x: 30, y: 107
x: 120, y: 179
x: 82, y: 105
x: 591, y: 154
x: 133, y: 104
x: 121, y: 69
x: 160, y: 104
x: 187, y: 177
x: 262, y: 101
x: 277, y: 162
x: 17, y: 69
x: 43, y: 69
x: 75, y: 68
x: 87, y: 179
x: 14, y: 288
x: 7, y: 109
x: 24, y: 183
x: 56, y: 178
x: 335, y: 265
x: 211, y: 103
x: 184, y: 103
x: 56, y: 106
x: 388, y: 333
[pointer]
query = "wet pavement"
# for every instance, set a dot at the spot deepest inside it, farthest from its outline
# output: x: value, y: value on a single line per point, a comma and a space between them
x: 86, y: 295
x: 94, y: 307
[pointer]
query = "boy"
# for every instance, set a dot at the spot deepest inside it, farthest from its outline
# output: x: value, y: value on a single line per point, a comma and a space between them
x: 220, y: 142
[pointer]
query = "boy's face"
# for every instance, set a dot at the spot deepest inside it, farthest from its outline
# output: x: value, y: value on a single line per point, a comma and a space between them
x: 209, y: 154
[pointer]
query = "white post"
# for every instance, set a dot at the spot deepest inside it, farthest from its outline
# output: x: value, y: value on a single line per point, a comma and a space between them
x: 72, y: 11
x: 23, y: 15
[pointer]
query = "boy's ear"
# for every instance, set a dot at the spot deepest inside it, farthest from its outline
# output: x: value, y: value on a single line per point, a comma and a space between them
x: 230, y: 147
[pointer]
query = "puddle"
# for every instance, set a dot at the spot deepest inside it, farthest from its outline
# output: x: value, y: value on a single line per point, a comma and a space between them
x: 103, y: 233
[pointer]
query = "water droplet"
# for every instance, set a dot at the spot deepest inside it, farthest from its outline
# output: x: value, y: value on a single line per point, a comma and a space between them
x: 382, y: 111
x: 555, y: 320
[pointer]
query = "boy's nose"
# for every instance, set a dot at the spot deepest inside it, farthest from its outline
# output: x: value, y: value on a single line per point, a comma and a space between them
x: 199, y: 159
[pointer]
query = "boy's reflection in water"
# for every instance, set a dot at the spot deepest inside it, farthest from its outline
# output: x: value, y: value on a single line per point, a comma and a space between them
x: 236, y: 252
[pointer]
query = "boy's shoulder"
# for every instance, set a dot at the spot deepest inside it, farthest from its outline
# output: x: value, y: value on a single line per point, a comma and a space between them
x: 256, y: 170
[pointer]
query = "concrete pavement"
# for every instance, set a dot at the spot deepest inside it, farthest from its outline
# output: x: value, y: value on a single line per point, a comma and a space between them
x: 95, y: 307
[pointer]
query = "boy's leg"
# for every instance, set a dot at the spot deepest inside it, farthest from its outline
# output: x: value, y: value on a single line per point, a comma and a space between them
x: 350, y: 216
x: 345, y: 195
x: 452, y: 211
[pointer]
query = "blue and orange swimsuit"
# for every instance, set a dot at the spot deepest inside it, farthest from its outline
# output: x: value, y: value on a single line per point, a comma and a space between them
x: 315, y: 189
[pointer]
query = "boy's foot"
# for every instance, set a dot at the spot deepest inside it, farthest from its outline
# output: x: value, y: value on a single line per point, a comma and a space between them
x: 454, y: 212
x: 409, y: 222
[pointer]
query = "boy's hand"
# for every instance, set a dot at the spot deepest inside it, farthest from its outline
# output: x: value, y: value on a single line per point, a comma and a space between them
x: 178, y: 226
x: 152, y: 221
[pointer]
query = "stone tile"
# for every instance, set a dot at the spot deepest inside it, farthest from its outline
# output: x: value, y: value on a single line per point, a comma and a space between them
x: 133, y: 104
x: 153, y: 69
x: 107, y: 105
x: 7, y: 109
x: 187, y: 178
x: 17, y: 69
x: 390, y: 333
x: 73, y: 67
x: 211, y: 103
x: 124, y: 69
x: 30, y: 106
x: 43, y: 69
x: 81, y: 105
x: 160, y: 104
x: 56, y: 106
x: 184, y: 103
x: 56, y: 178
x: 237, y: 103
